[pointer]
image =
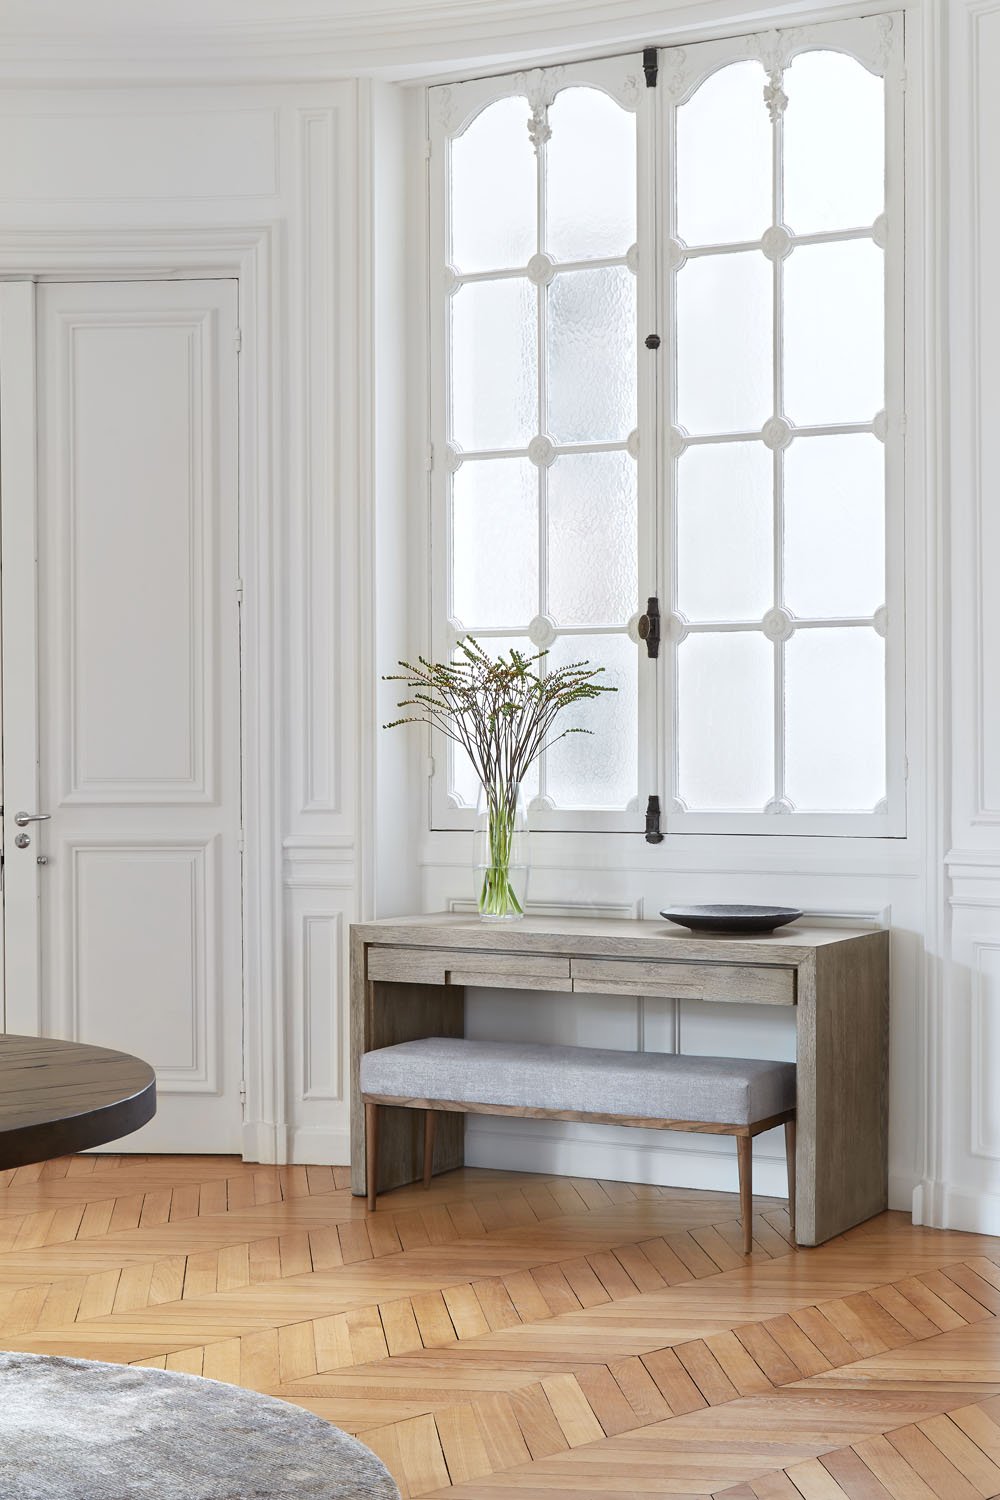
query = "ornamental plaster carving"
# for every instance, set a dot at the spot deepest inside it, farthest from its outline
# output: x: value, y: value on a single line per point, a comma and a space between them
x: 539, y: 86
x: 775, y: 97
x: 444, y: 108
x: 675, y: 72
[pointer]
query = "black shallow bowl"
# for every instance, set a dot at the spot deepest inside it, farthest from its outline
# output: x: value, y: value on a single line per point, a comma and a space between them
x: 731, y: 918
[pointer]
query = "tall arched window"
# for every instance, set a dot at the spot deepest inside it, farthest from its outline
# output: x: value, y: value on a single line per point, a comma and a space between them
x: 666, y: 337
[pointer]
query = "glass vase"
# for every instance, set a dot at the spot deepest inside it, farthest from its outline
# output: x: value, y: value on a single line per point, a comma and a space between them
x: 501, y: 853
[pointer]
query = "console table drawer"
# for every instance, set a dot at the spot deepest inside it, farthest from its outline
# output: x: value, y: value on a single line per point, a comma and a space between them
x: 679, y: 981
x: 458, y: 966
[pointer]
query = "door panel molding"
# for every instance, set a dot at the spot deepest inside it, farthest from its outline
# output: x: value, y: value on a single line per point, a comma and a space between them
x: 249, y: 253
x: 139, y: 682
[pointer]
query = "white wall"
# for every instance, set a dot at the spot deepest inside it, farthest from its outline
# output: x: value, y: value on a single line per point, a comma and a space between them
x: 961, y: 1186
x: 298, y: 188
x: 261, y: 182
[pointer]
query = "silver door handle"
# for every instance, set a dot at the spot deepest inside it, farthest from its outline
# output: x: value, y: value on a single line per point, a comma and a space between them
x: 22, y: 819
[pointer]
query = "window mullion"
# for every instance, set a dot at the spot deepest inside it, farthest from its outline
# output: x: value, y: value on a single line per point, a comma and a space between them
x: 776, y: 104
x: 542, y: 294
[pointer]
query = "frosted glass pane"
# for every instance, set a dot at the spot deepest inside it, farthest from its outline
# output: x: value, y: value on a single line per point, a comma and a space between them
x: 725, y: 715
x: 724, y: 530
x: 724, y: 159
x: 494, y: 365
x: 835, y: 720
x: 834, y: 333
x: 834, y: 138
x: 591, y: 185
x: 493, y: 190
x: 593, y: 539
x: 835, y: 526
x: 724, y: 343
x: 599, y: 769
x: 592, y: 356
x: 495, y: 543
x: 463, y: 781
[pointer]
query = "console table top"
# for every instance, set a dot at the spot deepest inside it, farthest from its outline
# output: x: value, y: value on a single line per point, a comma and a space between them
x: 618, y: 937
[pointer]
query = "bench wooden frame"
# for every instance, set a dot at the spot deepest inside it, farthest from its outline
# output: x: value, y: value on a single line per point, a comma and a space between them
x: 431, y: 1107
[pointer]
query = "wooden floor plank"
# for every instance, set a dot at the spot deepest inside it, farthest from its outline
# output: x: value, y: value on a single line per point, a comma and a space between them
x: 507, y: 1333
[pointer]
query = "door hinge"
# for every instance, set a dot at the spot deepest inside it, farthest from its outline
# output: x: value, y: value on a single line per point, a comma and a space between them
x: 650, y: 66
x: 427, y: 150
x: 649, y: 626
x: 653, y: 834
x: 243, y: 1097
x: 429, y: 461
x: 239, y: 590
x: 238, y: 340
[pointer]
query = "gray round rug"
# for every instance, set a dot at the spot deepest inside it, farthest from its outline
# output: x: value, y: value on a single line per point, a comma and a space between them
x: 72, y: 1429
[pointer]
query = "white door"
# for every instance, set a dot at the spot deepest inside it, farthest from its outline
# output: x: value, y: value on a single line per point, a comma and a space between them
x: 121, y: 685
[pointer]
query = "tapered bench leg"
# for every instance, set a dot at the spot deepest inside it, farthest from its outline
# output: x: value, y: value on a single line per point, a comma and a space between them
x: 790, y: 1161
x: 744, y: 1158
x: 430, y: 1120
x: 371, y: 1153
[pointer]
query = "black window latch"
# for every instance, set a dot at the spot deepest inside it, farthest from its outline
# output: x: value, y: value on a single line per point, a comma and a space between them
x: 649, y: 626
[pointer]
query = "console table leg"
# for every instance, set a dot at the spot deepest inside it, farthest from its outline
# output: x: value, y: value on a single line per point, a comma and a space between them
x: 371, y: 1154
x: 790, y: 1161
x: 430, y: 1120
x: 744, y: 1158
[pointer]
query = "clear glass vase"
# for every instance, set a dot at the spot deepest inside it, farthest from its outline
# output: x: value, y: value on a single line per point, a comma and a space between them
x: 501, y: 853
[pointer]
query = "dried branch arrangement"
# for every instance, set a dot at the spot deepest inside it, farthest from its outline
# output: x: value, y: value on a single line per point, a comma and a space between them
x: 503, y: 712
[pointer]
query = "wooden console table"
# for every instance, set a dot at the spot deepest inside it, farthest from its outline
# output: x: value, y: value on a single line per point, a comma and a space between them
x: 409, y: 975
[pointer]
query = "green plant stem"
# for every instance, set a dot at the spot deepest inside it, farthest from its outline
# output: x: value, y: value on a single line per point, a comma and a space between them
x: 498, y: 897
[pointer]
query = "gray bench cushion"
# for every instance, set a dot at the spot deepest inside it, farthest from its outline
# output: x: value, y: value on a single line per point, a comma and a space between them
x: 590, y: 1080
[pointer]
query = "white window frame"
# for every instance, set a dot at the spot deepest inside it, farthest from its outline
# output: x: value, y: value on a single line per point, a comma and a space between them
x: 877, y: 43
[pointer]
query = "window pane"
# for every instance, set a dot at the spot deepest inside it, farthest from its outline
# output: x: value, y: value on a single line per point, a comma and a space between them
x: 599, y: 769
x: 835, y: 526
x: 593, y: 565
x: 592, y: 356
x: 725, y: 714
x: 834, y: 143
x: 724, y: 532
x: 724, y: 343
x: 724, y: 159
x: 834, y: 333
x: 493, y: 191
x: 494, y: 364
x: 591, y: 188
x: 835, y: 720
x: 495, y: 542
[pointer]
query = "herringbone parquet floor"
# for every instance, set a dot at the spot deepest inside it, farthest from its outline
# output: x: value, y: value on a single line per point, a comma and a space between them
x: 545, y: 1337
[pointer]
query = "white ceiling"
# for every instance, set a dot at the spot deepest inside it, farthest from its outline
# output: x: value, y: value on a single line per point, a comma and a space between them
x: 96, y: 41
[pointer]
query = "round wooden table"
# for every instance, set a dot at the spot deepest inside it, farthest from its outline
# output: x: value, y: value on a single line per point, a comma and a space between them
x: 60, y: 1097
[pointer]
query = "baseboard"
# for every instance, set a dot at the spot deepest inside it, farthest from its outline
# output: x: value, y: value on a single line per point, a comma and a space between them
x: 317, y: 1146
x: 942, y: 1205
x: 265, y: 1142
x: 544, y: 1146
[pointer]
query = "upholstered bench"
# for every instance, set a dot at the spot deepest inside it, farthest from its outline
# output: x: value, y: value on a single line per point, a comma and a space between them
x: 662, y: 1091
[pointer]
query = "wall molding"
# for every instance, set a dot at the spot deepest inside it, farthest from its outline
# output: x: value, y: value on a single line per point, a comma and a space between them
x: 405, y: 40
x: 247, y: 252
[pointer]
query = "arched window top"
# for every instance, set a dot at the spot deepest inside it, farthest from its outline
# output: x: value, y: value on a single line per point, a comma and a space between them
x: 554, y: 178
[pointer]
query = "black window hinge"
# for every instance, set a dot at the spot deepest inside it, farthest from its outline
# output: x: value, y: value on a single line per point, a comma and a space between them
x: 650, y: 66
x: 649, y: 626
x: 653, y: 834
